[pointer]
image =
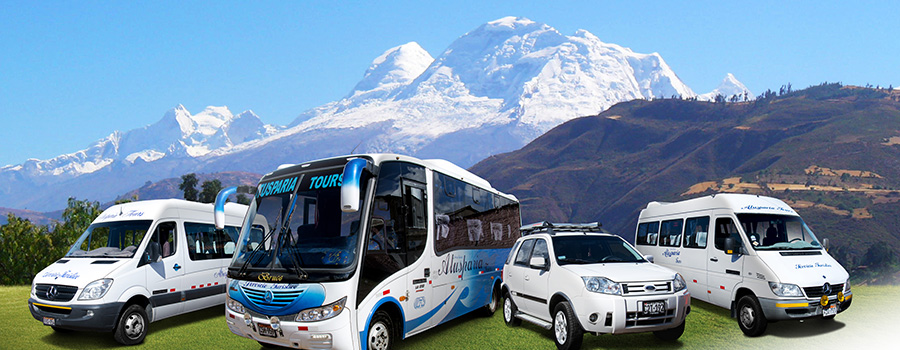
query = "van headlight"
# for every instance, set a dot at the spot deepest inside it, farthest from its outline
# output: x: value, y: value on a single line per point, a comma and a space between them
x: 323, y: 312
x: 678, y: 284
x: 786, y: 289
x: 96, y: 290
x: 602, y: 285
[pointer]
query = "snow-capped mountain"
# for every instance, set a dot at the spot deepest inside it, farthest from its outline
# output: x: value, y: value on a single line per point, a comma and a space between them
x: 729, y: 87
x: 492, y: 90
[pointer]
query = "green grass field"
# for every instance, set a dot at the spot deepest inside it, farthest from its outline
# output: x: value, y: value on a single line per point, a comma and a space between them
x: 871, y: 321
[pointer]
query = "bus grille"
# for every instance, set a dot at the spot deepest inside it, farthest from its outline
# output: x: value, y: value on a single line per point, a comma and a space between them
x: 279, y: 298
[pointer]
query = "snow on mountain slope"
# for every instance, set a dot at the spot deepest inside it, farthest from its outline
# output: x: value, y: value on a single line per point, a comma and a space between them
x: 729, y: 87
x: 491, y: 91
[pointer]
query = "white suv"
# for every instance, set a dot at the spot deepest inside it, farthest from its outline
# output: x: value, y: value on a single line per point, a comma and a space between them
x: 574, y: 278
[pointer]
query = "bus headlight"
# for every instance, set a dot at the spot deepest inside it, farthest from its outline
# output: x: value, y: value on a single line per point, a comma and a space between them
x: 602, y: 285
x: 323, y: 312
x: 96, y: 290
x: 786, y: 289
x: 235, y: 306
x: 678, y: 284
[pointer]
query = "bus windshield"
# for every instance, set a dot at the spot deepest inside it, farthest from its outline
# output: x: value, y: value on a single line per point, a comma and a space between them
x: 118, y: 239
x: 295, y: 225
x: 590, y: 249
x: 778, y: 232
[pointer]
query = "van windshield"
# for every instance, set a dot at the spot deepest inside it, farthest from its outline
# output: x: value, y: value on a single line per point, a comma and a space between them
x: 593, y: 249
x: 118, y: 239
x: 778, y: 232
x: 298, y: 230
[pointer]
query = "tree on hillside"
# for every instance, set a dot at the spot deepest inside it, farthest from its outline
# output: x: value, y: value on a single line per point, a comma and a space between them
x: 189, y: 186
x: 209, y: 191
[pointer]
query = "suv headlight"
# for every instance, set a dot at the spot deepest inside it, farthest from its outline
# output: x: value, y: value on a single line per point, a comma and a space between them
x: 323, y: 312
x: 678, y: 284
x: 602, y: 285
x: 235, y: 306
x: 786, y: 289
x: 96, y: 290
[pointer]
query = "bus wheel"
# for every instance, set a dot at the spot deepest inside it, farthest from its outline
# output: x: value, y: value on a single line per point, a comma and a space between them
x: 132, y: 326
x: 509, y: 312
x: 381, y: 332
x: 489, y: 309
x: 750, y: 317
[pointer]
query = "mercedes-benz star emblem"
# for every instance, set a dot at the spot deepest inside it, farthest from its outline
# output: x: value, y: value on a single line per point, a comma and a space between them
x: 269, y: 296
x: 826, y: 289
x: 52, y: 293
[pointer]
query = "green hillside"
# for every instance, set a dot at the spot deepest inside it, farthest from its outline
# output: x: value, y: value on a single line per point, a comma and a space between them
x: 818, y: 147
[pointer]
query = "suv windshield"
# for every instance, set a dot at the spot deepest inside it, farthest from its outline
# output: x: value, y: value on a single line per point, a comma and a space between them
x: 295, y: 225
x: 117, y: 239
x: 782, y: 232
x: 590, y: 249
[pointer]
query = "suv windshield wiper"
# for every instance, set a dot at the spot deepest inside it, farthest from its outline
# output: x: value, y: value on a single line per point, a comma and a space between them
x: 576, y: 261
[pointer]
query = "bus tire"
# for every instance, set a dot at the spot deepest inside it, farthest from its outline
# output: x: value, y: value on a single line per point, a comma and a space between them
x: 492, y: 306
x: 750, y: 317
x: 132, y: 326
x: 381, y: 332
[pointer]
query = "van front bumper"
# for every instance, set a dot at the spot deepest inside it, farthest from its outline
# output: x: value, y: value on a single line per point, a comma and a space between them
x: 800, y: 308
x: 620, y: 314
x: 100, y: 318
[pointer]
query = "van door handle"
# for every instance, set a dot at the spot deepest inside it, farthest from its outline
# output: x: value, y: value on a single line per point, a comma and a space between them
x: 714, y: 259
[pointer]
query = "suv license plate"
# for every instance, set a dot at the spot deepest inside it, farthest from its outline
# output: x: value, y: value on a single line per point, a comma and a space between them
x: 653, y: 308
x: 49, y: 321
x: 266, y: 330
x: 831, y: 310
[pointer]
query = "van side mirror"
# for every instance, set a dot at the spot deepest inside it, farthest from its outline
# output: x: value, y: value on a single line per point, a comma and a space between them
x: 825, y: 244
x: 152, y: 254
x: 538, y: 262
x: 649, y: 258
x: 730, y: 246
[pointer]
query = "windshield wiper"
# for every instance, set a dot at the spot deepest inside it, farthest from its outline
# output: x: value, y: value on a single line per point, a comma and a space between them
x: 577, y: 261
x: 296, y: 259
x: 262, y: 242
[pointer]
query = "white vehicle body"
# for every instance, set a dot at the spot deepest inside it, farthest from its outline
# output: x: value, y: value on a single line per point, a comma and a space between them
x: 361, y: 251
x: 108, y: 269
x: 772, y: 250
x: 566, y: 263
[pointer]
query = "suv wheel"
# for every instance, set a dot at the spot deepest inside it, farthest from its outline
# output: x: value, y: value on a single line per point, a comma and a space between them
x: 509, y: 312
x: 566, y: 330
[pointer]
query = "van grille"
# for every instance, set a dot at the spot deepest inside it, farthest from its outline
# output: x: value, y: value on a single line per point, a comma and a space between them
x: 645, y: 288
x: 59, y: 292
x: 280, y: 298
x: 816, y: 292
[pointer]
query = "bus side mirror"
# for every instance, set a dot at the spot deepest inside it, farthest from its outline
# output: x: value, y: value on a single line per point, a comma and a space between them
x: 649, y: 258
x: 730, y: 246
x: 350, y: 180
x: 219, y: 207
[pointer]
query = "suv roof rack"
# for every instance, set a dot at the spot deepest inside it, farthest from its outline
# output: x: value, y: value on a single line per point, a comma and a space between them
x: 551, y: 228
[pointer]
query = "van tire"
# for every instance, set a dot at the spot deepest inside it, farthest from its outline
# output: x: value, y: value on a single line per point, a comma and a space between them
x: 567, y: 332
x: 492, y: 306
x: 381, y: 332
x: 509, y: 312
x: 671, y: 334
x: 132, y: 326
x: 750, y: 316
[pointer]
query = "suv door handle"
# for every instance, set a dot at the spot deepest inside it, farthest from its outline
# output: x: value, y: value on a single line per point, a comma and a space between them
x: 714, y: 259
x: 526, y: 278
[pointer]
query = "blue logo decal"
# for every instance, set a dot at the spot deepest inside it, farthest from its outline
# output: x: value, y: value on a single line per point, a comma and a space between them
x: 68, y: 274
x: 276, y: 187
x: 176, y: 267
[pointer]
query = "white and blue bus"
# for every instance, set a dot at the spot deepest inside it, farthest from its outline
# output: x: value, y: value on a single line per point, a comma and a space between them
x: 361, y: 251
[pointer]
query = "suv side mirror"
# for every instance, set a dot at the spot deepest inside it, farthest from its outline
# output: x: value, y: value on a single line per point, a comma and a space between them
x: 538, y: 262
x: 152, y: 254
x: 649, y: 258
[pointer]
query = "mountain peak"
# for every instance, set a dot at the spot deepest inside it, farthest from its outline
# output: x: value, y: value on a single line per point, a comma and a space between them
x: 511, y: 22
x: 396, y: 66
x: 729, y: 86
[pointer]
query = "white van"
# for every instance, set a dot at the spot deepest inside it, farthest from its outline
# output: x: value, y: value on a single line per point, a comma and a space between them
x: 751, y: 254
x: 138, y: 262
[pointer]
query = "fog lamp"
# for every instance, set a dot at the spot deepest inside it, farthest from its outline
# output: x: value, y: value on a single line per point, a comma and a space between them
x: 824, y: 300
x: 841, y: 297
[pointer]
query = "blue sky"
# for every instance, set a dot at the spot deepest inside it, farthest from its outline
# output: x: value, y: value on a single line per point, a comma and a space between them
x: 73, y: 72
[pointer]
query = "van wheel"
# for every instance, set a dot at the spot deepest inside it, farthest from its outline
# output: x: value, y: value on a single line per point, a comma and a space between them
x: 509, y: 312
x: 671, y: 334
x: 381, y: 332
x: 132, y: 326
x: 489, y: 309
x: 750, y: 317
x: 566, y: 330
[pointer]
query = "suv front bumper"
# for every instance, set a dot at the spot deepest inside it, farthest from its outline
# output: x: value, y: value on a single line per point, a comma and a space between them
x: 615, y: 314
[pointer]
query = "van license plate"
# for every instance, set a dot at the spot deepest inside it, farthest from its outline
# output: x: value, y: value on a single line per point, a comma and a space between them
x: 831, y: 310
x: 49, y: 321
x: 266, y: 330
x: 653, y: 308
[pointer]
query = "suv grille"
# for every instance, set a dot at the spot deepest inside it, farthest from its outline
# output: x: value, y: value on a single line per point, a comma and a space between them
x: 54, y: 292
x: 643, y: 288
